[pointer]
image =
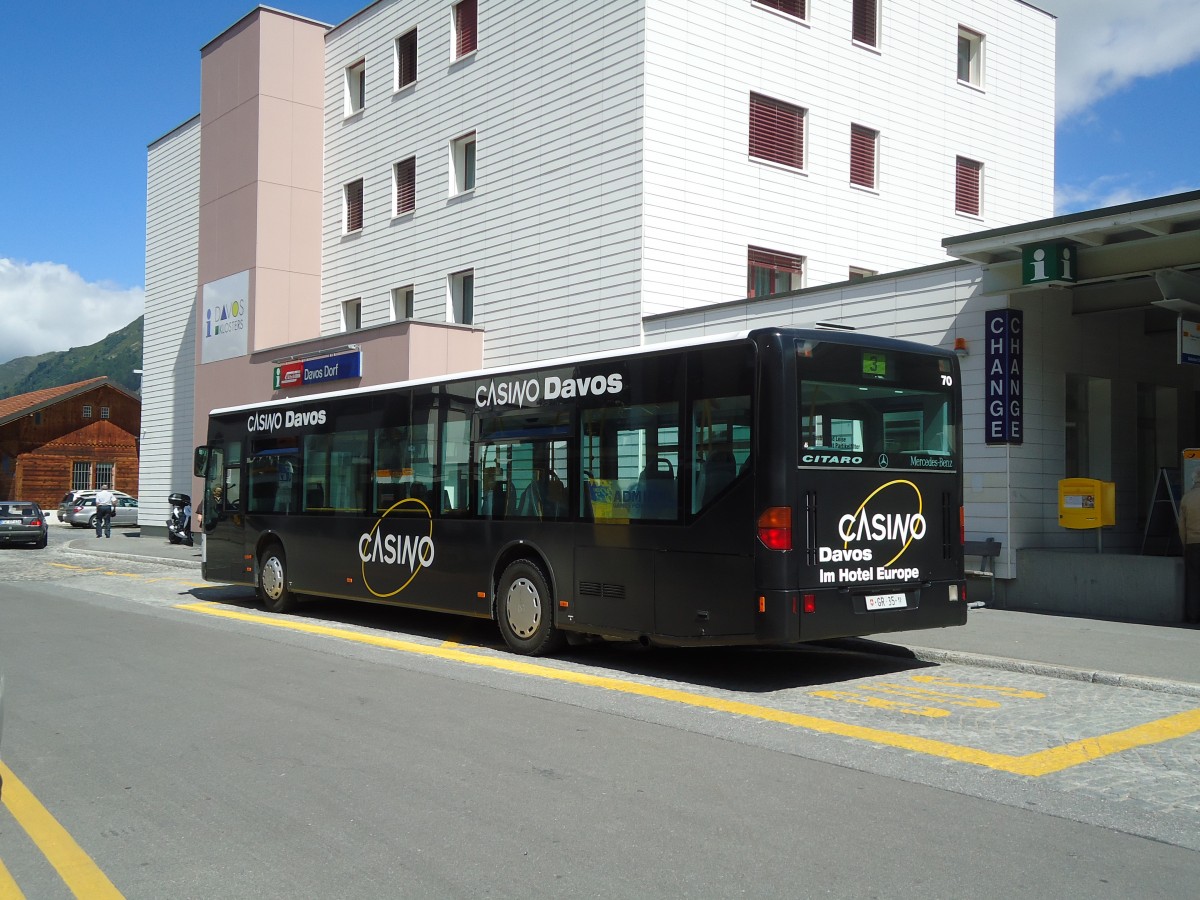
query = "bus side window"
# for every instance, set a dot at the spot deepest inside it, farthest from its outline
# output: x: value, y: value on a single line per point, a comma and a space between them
x: 721, y: 432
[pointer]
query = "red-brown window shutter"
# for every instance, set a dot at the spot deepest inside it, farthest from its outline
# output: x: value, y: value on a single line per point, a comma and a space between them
x: 406, y: 59
x: 466, y: 27
x: 967, y: 180
x: 406, y: 186
x: 791, y: 7
x: 776, y: 131
x: 863, y: 143
x: 866, y: 22
x: 354, y: 205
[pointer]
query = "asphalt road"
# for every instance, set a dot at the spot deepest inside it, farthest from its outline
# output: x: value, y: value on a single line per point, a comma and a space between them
x: 189, y: 745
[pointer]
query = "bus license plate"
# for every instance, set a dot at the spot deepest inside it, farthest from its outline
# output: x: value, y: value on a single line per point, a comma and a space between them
x: 886, y: 601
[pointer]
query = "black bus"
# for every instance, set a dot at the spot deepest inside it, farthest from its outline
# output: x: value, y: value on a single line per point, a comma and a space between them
x: 771, y: 487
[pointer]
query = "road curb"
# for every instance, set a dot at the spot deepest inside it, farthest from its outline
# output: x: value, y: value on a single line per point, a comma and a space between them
x: 1048, y: 670
x: 134, y: 557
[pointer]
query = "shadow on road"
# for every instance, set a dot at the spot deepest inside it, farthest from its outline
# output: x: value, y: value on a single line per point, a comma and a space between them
x: 756, y: 670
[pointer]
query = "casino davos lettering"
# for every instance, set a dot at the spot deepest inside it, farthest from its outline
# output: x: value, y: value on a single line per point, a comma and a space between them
x: 884, y: 526
x: 529, y: 391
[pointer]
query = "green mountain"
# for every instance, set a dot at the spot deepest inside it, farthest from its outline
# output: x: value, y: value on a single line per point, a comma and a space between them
x: 115, y: 356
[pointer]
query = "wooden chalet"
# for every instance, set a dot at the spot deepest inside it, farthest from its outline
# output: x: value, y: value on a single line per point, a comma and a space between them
x: 70, y: 437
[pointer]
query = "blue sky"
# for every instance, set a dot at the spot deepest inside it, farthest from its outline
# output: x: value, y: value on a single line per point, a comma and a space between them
x: 90, y: 85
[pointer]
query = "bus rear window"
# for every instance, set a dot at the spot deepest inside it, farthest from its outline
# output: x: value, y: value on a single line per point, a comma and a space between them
x: 876, y: 426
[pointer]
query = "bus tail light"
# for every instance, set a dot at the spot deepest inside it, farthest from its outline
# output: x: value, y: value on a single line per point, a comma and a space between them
x: 775, y: 527
x: 810, y: 603
x: 962, y: 525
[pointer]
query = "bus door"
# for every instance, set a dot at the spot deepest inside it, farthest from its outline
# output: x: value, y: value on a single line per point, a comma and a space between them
x: 222, y: 512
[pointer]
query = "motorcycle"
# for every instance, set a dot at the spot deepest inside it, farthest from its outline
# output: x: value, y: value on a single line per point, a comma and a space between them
x: 179, y: 523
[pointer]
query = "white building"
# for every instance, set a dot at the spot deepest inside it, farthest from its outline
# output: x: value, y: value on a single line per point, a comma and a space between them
x: 635, y: 157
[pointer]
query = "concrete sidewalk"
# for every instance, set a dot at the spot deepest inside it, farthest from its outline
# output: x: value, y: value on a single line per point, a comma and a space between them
x: 1151, y: 657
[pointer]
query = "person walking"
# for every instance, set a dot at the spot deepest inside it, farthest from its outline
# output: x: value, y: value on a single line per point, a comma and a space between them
x: 1189, y: 533
x: 104, y: 511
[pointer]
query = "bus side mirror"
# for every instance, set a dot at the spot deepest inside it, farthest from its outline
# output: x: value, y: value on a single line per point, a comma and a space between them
x: 200, y: 462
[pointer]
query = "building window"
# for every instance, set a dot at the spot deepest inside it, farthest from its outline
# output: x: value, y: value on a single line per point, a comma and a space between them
x: 352, y: 315
x: 87, y: 410
x: 462, y: 297
x: 970, y: 57
x: 104, y: 474
x: 788, y: 7
x: 356, y: 87
x: 104, y: 412
x: 402, y: 303
x: 404, y: 174
x: 352, y: 217
x: 462, y: 164
x: 776, y: 131
x: 864, y: 156
x: 858, y: 274
x: 81, y: 476
x: 866, y: 22
x: 769, y: 272
x: 466, y: 28
x: 968, y: 185
x: 406, y: 59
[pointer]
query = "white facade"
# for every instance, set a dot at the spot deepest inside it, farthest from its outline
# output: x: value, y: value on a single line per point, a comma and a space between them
x: 613, y: 171
x: 169, y: 341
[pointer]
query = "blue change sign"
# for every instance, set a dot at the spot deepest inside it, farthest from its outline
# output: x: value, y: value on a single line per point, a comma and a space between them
x: 1004, y: 376
x: 333, y: 368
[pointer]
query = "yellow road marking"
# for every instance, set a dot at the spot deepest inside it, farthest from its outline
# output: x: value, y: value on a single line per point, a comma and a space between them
x: 929, y: 696
x: 1015, y: 693
x: 910, y: 709
x: 8, y: 887
x: 73, y: 865
x: 149, y: 579
x: 1042, y: 762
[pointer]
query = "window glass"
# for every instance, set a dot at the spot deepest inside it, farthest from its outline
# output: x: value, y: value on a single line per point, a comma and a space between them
x: 523, y: 465
x: 274, y: 481
x: 770, y: 272
x: 630, y: 457
x: 336, y: 472
x: 456, y: 462
x: 875, y: 425
x: 394, y: 453
x: 721, y: 433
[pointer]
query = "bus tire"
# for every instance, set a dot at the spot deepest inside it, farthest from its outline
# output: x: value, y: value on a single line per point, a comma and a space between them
x: 273, y: 589
x: 525, y: 610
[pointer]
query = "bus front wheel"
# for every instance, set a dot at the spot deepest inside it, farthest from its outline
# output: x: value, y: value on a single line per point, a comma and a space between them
x: 525, y: 610
x: 273, y: 588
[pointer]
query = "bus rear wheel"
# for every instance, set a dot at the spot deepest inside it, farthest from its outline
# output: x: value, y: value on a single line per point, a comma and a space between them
x: 273, y: 588
x: 525, y: 610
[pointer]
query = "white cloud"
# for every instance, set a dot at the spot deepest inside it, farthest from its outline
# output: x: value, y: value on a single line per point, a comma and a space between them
x: 46, y: 306
x: 1103, y: 45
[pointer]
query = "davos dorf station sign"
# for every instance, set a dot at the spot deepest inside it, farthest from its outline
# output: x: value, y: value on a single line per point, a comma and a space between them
x: 319, y: 370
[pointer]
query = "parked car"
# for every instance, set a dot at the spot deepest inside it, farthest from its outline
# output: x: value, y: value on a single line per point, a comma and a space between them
x: 72, y: 498
x: 83, y: 513
x: 22, y: 522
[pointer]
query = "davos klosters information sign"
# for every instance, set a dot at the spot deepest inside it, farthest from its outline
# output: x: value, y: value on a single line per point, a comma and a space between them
x: 1004, y: 377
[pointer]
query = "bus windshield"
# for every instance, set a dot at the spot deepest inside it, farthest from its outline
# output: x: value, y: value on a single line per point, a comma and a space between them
x: 883, y: 412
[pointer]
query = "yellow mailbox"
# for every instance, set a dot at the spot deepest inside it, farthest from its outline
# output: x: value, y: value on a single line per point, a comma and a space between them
x: 1086, y: 503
